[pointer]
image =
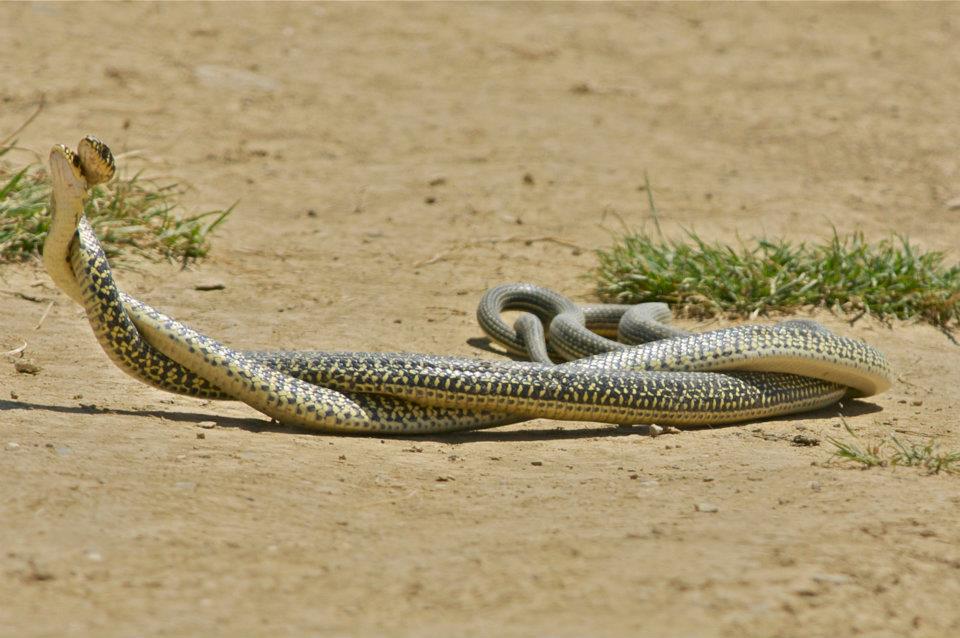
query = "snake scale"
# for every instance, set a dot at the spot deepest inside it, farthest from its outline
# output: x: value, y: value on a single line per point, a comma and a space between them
x: 722, y: 376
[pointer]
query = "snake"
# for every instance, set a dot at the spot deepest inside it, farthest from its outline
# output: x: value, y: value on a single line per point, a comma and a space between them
x: 721, y: 376
x: 577, y: 331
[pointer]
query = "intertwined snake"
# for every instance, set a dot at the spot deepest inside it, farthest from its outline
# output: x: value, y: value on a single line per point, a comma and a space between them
x: 721, y: 376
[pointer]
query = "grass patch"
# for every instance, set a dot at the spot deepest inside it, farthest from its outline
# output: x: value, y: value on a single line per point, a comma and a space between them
x: 889, y: 279
x: 128, y: 213
x: 892, y: 452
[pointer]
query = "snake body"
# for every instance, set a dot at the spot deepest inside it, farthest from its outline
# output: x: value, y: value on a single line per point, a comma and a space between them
x: 575, y: 331
x: 679, y: 380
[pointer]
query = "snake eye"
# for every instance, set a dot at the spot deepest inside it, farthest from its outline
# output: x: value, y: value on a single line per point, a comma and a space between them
x: 75, y: 159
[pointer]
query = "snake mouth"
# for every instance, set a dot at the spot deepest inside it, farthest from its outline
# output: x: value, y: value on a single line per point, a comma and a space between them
x: 66, y: 172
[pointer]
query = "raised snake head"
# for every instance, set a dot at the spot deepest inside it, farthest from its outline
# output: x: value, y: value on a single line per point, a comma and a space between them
x: 74, y: 172
x: 67, y: 176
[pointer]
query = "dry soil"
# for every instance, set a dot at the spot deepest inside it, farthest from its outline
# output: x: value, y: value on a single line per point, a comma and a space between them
x: 390, y: 162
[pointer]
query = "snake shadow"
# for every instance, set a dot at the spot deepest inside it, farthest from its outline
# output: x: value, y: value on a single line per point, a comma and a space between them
x: 487, y: 345
x: 256, y: 425
x: 249, y: 424
x: 848, y: 408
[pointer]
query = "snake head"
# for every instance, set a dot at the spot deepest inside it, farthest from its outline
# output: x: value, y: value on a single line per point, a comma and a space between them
x: 96, y: 160
x: 74, y: 172
x: 66, y: 172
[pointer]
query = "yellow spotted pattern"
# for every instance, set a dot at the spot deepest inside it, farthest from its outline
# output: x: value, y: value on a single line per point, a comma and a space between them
x: 670, y: 382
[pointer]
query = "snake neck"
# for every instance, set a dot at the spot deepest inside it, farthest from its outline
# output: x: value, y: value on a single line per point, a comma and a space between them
x: 66, y: 207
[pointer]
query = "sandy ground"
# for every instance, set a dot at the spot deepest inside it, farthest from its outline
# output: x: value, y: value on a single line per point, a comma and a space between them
x: 379, y: 155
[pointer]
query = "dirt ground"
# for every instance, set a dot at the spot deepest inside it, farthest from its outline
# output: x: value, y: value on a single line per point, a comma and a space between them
x: 393, y: 161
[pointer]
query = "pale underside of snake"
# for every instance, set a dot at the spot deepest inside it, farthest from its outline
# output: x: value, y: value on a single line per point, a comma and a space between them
x: 722, y: 376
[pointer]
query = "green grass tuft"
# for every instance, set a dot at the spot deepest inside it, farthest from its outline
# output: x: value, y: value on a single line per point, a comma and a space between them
x: 865, y: 454
x: 128, y: 213
x: 894, y: 452
x: 889, y: 279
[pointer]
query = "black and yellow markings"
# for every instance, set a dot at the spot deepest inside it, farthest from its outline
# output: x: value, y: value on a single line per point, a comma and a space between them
x: 423, y: 393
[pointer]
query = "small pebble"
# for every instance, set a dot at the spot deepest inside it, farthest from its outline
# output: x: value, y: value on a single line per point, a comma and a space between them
x: 916, y: 402
x: 14, y: 395
x: 815, y: 486
x: 201, y: 435
x: 709, y: 508
x: 26, y: 367
x: 207, y: 425
x: 537, y: 463
x: 654, y: 430
x: 671, y: 430
x: 954, y: 204
x: 13, y: 446
x: 94, y: 556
